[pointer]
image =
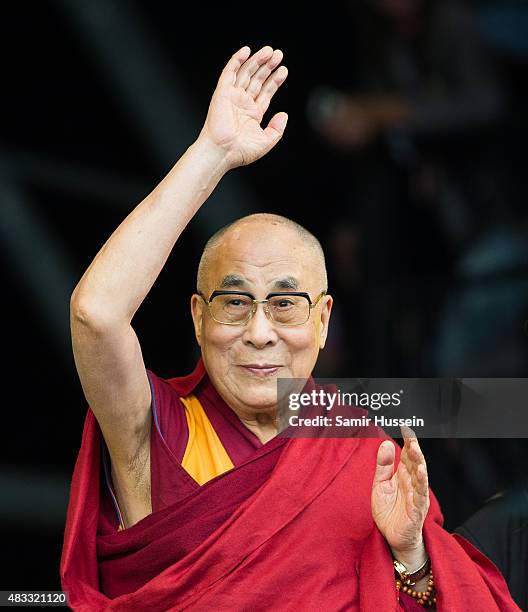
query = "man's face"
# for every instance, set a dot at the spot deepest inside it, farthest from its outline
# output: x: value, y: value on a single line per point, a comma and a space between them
x: 263, y: 256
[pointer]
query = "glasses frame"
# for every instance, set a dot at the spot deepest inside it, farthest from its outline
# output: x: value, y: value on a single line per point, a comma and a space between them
x: 265, y: 305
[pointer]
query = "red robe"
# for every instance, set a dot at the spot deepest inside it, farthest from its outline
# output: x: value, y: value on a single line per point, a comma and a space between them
x: 289, y: 528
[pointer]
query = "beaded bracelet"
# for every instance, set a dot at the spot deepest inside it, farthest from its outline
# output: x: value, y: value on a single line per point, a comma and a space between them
x: 422, y: 597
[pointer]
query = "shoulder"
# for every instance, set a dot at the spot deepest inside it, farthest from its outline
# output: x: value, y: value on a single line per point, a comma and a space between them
x: 167, y: 407
x: 504, y: 514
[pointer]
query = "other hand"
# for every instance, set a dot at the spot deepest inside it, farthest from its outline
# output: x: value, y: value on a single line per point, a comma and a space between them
x: 400, y: 498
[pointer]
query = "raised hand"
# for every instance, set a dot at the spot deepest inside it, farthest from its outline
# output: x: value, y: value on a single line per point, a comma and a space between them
x: 242, y: 96
x: 400, y: 500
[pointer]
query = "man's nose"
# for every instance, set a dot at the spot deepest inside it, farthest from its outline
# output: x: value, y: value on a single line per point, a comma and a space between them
x: 260, y: 330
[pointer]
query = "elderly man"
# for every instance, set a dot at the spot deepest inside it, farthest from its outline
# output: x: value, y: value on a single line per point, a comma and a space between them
x: 184, y: 496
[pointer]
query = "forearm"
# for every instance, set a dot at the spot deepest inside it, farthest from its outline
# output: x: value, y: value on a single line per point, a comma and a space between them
x: 122, y: 273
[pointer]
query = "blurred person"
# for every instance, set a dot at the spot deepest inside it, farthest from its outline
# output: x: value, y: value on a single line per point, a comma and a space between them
x: 416, y: 112
x: 480, y: 325
x: 500, y: 530
x: 419, y: 68
x: 183, y: 495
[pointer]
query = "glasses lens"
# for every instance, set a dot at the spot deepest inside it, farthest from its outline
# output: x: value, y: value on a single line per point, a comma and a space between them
x: 231, y: 308
x: 289, y: 309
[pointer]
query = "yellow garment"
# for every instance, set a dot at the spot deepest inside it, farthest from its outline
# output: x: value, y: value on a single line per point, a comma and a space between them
x: 204, y: 457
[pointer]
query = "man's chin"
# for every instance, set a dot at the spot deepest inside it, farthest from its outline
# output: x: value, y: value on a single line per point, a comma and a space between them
x: 260, y: 399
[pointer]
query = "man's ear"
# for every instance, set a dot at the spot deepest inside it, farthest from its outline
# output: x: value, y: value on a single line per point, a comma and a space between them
x: 197, y: 312
x: 326, y: 310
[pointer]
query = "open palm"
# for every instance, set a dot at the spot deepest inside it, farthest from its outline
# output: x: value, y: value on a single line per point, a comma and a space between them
x: 400, y: 499
x: 242, y: 96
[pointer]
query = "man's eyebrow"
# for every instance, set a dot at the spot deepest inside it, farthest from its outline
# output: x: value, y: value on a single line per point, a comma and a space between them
x: 288, y: 282
x: 232, y: 280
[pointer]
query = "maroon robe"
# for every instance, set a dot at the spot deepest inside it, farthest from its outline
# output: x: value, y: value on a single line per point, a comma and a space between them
x: 288, y: 528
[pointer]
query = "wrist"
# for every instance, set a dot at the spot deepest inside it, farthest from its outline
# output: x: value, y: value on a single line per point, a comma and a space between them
x: 211, y: 154
x: 413, y: 557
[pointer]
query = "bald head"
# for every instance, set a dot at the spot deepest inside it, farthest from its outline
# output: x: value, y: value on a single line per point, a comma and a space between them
x: 268, y: 227
x: 260, y: 255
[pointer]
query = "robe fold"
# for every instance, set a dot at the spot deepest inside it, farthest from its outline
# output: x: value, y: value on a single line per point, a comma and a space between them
x: 288, y: 527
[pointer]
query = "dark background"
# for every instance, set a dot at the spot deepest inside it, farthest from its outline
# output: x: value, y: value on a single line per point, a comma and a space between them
x: 99, y: 100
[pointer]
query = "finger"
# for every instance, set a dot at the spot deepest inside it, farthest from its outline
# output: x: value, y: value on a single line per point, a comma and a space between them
x: 411, y: 454
x: 420, y: 503
x: 419, y: 478
x: 276, y: 127
x: 416, y: 505
x: 421, y: 481
x: 384, y: 462
x: 404, y: 455
x: 408, y: 434
x: 252, y: 65
x: 255, y: 84
x: 406, y: 460
x: 414, y: 462
x: 417, y: 468
x: 416, y: 453
x: 410, y: 458
x: 272, y: 83
x: 232, y: 67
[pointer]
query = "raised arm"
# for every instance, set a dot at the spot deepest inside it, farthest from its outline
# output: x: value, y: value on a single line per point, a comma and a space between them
x: 106, y: 349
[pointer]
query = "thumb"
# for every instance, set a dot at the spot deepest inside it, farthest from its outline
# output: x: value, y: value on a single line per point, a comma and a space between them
x: 384, y: 462
x: 276, y: 127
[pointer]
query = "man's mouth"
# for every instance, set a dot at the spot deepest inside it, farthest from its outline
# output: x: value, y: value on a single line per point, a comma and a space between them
x: 262, y: 370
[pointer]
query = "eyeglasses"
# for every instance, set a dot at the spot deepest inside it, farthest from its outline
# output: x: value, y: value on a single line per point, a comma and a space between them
x: 236, y: 308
